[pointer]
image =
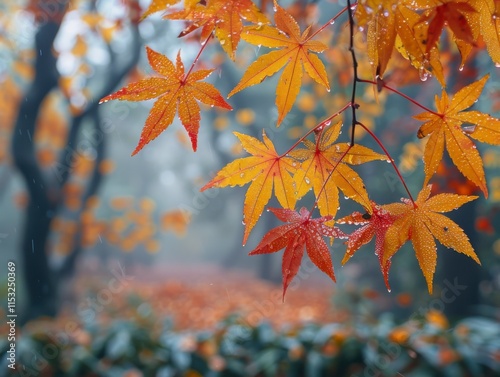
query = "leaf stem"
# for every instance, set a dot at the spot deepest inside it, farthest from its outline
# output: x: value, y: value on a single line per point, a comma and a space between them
x: 203, y: 45
x: 384, y: 85
x: 377, y: 140
x: 321, y: 124
x: 331, y: 21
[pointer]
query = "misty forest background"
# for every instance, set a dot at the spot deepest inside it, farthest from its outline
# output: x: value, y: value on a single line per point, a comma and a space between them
x: 150, y: 271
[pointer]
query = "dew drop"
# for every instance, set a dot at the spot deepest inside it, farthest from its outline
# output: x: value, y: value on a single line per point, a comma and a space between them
x: 423, y: 74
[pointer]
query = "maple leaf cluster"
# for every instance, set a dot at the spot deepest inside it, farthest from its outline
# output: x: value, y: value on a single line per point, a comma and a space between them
x: 322, y: 166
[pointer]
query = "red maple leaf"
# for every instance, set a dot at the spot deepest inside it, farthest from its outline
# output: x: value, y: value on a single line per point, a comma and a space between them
x: 375, y: 224
x: 299, y: 232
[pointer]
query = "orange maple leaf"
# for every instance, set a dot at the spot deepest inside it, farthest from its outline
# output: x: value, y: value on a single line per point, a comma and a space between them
x: 444, y: 127
x: 301, y: 232
x: 393, y: 23
x: 421, y: 223
x: 380, y: 21
x: 412, y: 44
x: 265, y: 169
x: 457, y: 14
x: 224, y: 18
x: 176, y: 91
x: 322, y: 158
x: 373, y: 225
x: 158, y: 6
x: 489, y: 15
x: 294, y: 55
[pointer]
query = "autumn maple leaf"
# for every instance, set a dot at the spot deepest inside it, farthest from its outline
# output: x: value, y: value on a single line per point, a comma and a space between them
x: 324, y: 168
x: 392, y: 23
x: 158, y: 6
x: 294, y: 54
x: 380, y: 21
x: 444, y: 128
x: 489, y: 15
x: 412, y: 44
x: 265, y: 169
x: 301, y: 231
x: 224, y: 18
x: 454, y: 13
x: 373, y: 225
x: 421, y: 223
x: 176, y: 91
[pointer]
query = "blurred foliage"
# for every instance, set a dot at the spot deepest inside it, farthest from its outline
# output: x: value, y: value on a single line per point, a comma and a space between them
x: 189, y: 329
x: 146, y: 346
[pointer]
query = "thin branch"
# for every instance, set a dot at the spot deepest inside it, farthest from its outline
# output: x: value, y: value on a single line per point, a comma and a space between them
x: 355, y: 71
x: 331, y: 21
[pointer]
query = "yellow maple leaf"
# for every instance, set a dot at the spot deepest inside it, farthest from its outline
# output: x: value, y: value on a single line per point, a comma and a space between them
x: 158, y: 6
x: 380, y: 21
x: 445, y: 128
x: 423, y: 222
x: 489, y: 11
x: 325, y: 164
x: 412, y: 44
x: 294, y: 54
x: 264, y: 169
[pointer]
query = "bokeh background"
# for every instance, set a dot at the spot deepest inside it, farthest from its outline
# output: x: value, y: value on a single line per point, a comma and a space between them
x: 123, y: 267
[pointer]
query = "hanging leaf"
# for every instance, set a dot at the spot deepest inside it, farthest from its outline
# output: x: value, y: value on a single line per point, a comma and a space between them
x: 301, y: 231
x: 176, y: 92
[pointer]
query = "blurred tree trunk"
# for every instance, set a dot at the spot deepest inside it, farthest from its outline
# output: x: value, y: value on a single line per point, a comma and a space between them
x: 46, y: 194
x: 42, y: 201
